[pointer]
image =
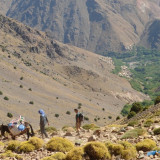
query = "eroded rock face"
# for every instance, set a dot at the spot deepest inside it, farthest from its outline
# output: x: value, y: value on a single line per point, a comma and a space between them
x: 95, y: 25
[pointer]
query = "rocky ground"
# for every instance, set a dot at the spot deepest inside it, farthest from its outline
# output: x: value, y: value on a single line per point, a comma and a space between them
x: 108, y: 134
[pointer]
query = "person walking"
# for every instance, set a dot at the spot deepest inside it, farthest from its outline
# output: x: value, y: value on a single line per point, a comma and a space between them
x: 43, y: 122
x: 79, y: 119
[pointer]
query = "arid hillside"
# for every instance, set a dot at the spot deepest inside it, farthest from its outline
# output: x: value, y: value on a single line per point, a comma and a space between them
x: 95, y: 25
x: 4, y: 6
x: 39, y: 72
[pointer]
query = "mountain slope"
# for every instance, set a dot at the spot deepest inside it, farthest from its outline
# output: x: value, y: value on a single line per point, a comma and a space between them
x: 95, y: 25
x: 56, y: 77
x: 4, y: 6
x: 151, y: 36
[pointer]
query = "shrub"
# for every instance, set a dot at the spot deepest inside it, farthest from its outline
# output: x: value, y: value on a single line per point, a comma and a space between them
x: 132, y: 123
x: 157, y: 100
x: 48, y: 158
x: 110, y: 117
x: 103, y: 109
x: 15, y: 67
x: 9, y: 115
x: 136, y: 107
x: 56, y: 156
x: 26, y: 147
x: 129, y: 151
x: 148, y: 123
x: 115, y: 149
x: 51, y: 129
x: 13, y: 145
x: 96, y: 150
x: 21, y: 86
x: 133, y: 133
x: 59, y: 144
x: 117, y: 118
x: 21, y: 78
x: 10, y: 154
x: 86, y: 118
x: 6, y: 98
x: 36, y: 142
x: 59, y: 156
x: 126, y: 109
x: 79, y: 105
x: 131, y: 114
x: 68, y: 112
x: 56, y: 115
x: 31, y: 102
x: 156, y: 131
x: 146, y: 145
x: 1, y: 93
x: 90, y: 126
x: 30, y: 89
x: 75, y: 154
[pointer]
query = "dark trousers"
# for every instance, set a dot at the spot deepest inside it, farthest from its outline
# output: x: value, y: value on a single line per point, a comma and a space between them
x: 43, y: 131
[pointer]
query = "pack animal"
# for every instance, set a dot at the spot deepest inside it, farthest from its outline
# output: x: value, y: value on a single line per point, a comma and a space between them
x: 28, y: 128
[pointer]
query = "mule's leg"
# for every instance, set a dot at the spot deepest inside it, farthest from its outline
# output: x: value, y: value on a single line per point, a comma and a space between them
x: 28, y: 134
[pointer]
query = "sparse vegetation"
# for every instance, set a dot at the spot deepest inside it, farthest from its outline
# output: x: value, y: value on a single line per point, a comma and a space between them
x: 56, y: 115
x: 79, y: 105
x: 132, y: 123
x: 68, y: 112
x: 110, y: 117
x: 36, y: 142
x: 90, y: 126
x: 146, y: 145
x: 86, y: 118
x: 59, y: 144
x: 13, y: 145
x: 117, y: 118
x: 157, y: 100
x: 31, y: 102
x: 9, y: 115
x: 156, y: 131
x: 75, y: 154
x: 26, y: 147
x: 30, y: 89
x: 6, y: 98
x: 97, y: 150
x: 9, y: 154
x: 133, y: 133
x: 51, y: 129
x: 148, y: 123
x: 131, y: 114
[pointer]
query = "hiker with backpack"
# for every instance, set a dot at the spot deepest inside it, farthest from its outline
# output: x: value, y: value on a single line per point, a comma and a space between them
x: 79, y: 119
x: 43, y: 122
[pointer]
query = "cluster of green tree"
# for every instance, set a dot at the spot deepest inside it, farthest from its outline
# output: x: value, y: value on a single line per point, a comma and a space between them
x: 144, y: 66
x: 131, y: 110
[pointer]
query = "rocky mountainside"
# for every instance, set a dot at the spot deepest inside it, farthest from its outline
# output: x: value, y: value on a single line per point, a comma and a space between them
x: 151, y: 35
x: 39, y: 72
x: 4, y: 6
x: 95, y: 25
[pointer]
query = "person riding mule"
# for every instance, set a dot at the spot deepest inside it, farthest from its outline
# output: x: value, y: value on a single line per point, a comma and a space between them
x: 17, y: 127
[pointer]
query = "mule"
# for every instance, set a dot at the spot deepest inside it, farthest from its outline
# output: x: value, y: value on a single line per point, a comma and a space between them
x: 5, y: 128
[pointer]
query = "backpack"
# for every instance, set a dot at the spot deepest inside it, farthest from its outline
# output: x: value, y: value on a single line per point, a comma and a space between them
x: 81, y: 117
